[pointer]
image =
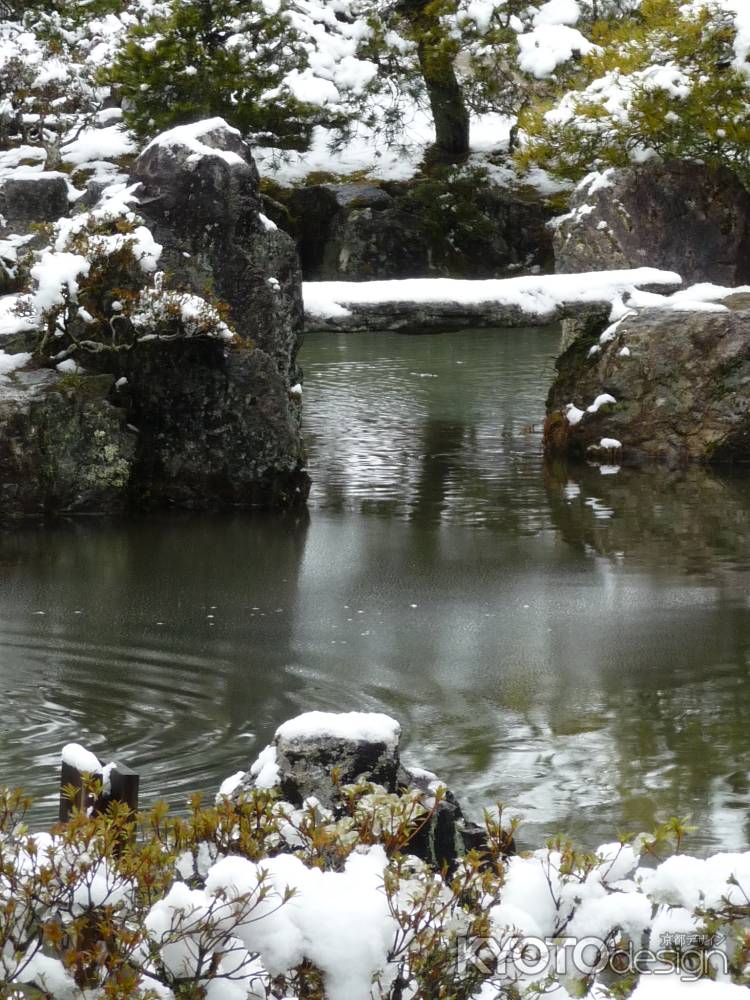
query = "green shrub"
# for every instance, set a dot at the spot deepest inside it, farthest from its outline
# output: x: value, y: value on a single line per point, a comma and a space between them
x: 664, y: 81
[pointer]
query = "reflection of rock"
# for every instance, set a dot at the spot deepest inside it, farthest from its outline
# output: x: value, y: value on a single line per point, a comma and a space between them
x: 691, y: 518
x: 680, y: 383
x: 683, y: 217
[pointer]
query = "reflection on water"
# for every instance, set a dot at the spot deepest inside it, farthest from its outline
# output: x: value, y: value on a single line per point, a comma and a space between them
x: 573, y: 642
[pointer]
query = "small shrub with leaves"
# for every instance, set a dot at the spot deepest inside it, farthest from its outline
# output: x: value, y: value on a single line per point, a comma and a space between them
x: 254, y: 898
x: 97, y: 290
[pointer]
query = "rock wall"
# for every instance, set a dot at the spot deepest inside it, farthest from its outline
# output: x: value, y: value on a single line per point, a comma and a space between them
x: 425, y: 227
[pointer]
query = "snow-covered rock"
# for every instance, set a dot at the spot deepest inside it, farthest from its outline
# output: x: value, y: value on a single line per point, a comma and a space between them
x: 446, y: 303
x: 313, y: 755
x: 217, y: 426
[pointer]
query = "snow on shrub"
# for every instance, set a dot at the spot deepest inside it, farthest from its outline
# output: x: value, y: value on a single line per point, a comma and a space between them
x: 96, y: 288
x: 672, y: 80
x: 257, y: 899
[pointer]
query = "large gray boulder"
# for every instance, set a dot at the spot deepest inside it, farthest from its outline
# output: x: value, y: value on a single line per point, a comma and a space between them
x: 672, y: 386
x: 218, y: 424
x: 683, y: 217
x: 199, y: 196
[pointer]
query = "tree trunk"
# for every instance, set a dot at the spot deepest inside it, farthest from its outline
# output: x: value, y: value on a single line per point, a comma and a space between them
x: 447, y: 103
x: 436, y: 57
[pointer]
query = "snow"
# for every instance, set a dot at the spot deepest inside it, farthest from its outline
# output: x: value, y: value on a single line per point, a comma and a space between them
x: 558, y: 12
x: 12, y: 362
x: 230, y: 785
x: 74, y: 755
x: 691, y: 882
x: 98, y: 144
x: 366, y: 154
x: 538, y: 295
x: 366, y: 727
x: 265, y: 771
x: 190, y: 136
x: 573, y: 414
x: 56, y: 275
x: 602, y: 400
x: 703, y: 297
x: 69, y: 367
x: 741, y: 42
x: 338, y: 920
x: 548, y: 46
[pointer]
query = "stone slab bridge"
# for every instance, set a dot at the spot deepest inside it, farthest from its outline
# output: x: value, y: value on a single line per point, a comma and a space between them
x: 423, y: 305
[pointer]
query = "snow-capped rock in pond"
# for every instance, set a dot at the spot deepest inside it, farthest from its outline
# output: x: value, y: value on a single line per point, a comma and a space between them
x: 685, y: 217
x: 310, y: 747
x: 313, y: 755
x: 199, y: 196
x: 218, y: 425
x: 675, y: 377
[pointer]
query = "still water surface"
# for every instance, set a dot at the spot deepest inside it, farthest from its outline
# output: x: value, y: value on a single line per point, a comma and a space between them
x: 571, y: 642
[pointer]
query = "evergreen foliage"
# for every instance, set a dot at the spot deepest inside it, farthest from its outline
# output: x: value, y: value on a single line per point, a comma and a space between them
x: 663, y: 81
x: 205, y: 58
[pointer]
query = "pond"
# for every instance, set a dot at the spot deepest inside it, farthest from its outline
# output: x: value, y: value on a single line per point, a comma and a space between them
x: 572, y: 641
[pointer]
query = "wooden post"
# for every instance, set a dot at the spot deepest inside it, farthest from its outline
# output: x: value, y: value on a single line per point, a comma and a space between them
x: 124, y: 785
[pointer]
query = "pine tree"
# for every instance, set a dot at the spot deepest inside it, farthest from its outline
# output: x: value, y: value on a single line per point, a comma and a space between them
x: 208, y: 58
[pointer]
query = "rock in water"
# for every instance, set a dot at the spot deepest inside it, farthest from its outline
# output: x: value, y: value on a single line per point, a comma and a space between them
x: 313, y: 755
x: 683, y: 217
x: 659, y: 385
x: 217, y: 423
x: 63, y: 447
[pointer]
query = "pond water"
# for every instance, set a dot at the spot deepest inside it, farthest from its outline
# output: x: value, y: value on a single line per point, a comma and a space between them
x: 575, y: 642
